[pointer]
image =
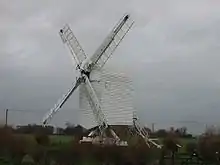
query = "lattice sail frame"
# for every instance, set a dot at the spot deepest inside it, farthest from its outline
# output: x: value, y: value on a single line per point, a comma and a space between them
x: 115, y: 93
x: 119, y: 36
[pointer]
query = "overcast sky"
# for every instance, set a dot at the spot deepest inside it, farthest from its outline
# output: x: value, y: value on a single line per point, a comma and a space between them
x: 172, y: 54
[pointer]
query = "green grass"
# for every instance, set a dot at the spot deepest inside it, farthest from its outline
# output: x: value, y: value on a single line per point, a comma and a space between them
x: 61, y: 138
x: 183, y: 143
x: 66, y: 139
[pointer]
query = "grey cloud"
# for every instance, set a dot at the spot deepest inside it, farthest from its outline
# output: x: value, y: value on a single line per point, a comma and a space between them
x: 171, y: 54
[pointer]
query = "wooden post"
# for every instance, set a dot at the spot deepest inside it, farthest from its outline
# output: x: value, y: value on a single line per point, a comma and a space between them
x: 6, y: 117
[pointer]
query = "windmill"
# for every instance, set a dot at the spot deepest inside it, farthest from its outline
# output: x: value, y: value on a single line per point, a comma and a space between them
x: 88, y: 67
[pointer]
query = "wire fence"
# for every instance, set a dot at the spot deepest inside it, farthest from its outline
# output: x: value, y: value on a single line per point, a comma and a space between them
x: 27, y: 116
x: 15, y: 117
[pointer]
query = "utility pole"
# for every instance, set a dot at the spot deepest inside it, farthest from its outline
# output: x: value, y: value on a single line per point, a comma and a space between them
x: 153, y: 127
x: 6, y: 117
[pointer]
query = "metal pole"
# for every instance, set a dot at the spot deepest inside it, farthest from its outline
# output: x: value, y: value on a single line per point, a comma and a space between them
x: 153, y: 127
x: 172, y: 157
x: 6, y: 117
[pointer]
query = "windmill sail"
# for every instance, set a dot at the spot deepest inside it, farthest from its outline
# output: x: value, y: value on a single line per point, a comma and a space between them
x: 103, y: 53
x: 61, y: 102
x: 75, y: 48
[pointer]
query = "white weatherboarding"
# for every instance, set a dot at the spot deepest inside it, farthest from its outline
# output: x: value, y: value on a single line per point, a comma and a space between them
x: 98, y: 88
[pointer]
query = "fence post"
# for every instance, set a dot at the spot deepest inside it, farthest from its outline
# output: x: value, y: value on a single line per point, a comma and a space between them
x: 6, y: 117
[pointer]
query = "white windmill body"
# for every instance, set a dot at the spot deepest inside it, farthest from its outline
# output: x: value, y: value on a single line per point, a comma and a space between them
x: 115, y: 96
x: 105, y: 98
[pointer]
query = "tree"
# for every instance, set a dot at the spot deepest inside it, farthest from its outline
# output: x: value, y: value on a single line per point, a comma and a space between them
x: 12, y: 146
x: 171, y: 142
x: 209, y: 145
x: 161, y: 133
x: 28, y: 129
x: 211, y: 130
x: 74, y: 130
x: 70, y: 125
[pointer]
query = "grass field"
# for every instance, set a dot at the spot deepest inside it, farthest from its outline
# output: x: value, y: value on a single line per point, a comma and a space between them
x: 61, y: 139
x: 64, y: 138
x: 184, y: 143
